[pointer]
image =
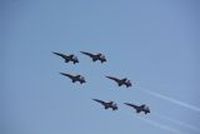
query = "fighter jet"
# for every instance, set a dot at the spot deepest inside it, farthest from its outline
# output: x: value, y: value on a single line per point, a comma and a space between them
x: 141, y: 108
x: 68, y: 58
x: 107, y: 105
x: 121, y: 82
x: 95, y: 57
x: 75, y: 78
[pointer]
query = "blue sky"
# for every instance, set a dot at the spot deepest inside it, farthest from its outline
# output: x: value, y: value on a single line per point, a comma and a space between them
x: 154, y: 43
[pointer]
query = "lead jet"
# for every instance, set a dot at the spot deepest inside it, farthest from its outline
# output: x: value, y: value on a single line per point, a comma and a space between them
x: 107, y: 105
x: 95, y: 57
x: 75, y: 78
x: 121, y: 82
x: 68, y: 58
x: 141, y: 108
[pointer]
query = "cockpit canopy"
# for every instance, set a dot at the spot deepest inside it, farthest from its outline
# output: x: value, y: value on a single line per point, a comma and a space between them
x: 102, y: 56
x: 147, y: 108
x: 115, y: 105
x: 82, y: 78
x: 74, y: 57
x: 129, y: 82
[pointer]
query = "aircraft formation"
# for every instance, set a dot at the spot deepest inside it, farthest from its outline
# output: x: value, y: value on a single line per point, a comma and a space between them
x: 119, y: 81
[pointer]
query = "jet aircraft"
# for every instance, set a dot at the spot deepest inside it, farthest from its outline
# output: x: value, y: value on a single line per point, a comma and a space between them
x: 68, y: 58
x: 75, y: 78
x: 141, y: 108
x: 121, y: 82
x: 95, y: 57
x: 107, y: 105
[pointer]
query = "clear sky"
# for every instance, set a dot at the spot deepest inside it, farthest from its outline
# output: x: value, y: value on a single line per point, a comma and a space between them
x: 155, y: 43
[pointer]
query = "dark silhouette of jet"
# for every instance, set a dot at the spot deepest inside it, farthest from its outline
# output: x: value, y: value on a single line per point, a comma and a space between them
x: 107, y: 105
x: 141, y: 108
x: 95, y: 57
x: 75, y: 78
x: 68, y: 58
x: 121, y: 82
